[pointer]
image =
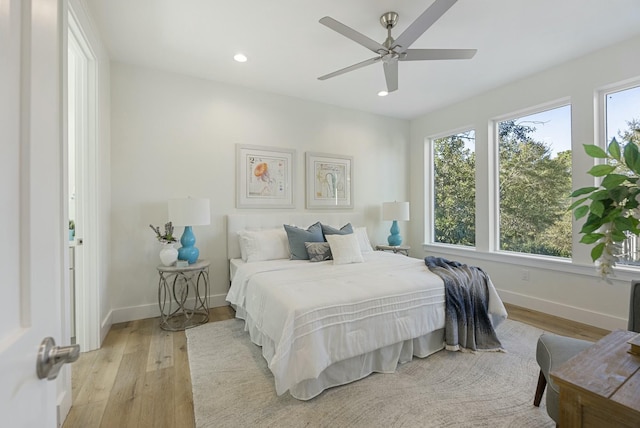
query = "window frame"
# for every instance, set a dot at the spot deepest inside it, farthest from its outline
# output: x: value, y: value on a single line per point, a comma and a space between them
x: 429, y: 185
x: 601, y: 139
x: 487, y: 155
x: 494, y: 168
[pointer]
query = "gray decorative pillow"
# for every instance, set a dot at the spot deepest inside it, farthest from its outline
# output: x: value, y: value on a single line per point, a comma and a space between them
x: 318, y: 251
x: 297, y: 237
x: 344, y: 230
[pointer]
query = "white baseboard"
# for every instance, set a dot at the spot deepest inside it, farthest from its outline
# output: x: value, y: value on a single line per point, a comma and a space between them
x: 572, y: 313
x: 64, y: 401
x: 105, y: 326
x: 152, y: 310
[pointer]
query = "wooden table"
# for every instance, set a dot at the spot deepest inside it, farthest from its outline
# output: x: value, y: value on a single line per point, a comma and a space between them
x: 600, y: 387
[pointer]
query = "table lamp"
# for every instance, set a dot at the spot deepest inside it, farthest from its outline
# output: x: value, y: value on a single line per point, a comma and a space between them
x: 395, y: 211
x: 189, y: 212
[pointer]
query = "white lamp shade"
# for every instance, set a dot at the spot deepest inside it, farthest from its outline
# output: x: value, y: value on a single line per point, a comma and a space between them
x: 395, y: 211
x: 189, y: 212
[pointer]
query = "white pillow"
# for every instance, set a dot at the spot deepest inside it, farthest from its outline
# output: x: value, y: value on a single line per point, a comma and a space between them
x: 363, y: 239
x: 345, y: 249
x: 243, y: 245
x: 259, y: 245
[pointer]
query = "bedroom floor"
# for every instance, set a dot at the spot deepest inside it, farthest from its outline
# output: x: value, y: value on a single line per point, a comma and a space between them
x: 140, y: 377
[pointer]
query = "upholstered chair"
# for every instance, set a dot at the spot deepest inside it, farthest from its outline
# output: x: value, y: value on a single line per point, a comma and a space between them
x: 553, y: 350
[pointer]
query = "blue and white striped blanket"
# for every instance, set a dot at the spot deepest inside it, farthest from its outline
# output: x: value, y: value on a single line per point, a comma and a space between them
x: 468, y: 325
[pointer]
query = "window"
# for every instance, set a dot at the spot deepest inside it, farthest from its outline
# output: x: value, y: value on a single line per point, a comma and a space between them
x: 454, y: 208
x: 622, y: 122
x: 534, y: 159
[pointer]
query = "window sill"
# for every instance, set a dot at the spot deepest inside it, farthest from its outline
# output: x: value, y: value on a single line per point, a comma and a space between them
x: 622, y: 272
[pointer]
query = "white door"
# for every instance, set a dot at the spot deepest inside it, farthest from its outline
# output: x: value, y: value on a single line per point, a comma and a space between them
x: 31, y: 219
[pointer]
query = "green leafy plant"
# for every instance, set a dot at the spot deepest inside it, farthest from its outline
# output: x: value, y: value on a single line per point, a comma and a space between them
x: 72, y: 225
x: 168, y: 233
x: 611, y: 209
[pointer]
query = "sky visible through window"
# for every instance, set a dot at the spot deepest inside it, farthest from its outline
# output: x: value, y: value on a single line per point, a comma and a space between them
x: 622, y: 106
x: 553, y: 127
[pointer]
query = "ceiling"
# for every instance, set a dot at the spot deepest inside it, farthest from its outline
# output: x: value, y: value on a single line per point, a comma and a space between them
x: 288, y: 49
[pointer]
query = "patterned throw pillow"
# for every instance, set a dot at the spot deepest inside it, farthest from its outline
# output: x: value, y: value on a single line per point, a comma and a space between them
x: 318, y: 251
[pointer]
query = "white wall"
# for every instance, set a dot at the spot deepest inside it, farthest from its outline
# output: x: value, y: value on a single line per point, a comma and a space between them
x: 174, y: 136
x: 571, y: 290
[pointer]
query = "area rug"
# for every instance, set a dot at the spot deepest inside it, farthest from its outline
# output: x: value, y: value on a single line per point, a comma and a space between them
x: 233, y: 387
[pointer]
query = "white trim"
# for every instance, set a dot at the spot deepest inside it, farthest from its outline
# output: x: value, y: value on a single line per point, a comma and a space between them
x: 622, y: 273
x: 428, y: 217
x: 64, y: 397
x: 493, y: 192
x: 105, y: 326
x: 429, y: 188
x: 455, y: 131
x: 528, y: 111
x: 494, y: 171
x: 151, y: 310
x: 88, y: 330
x: 63, y: 402
x: 573, y: 313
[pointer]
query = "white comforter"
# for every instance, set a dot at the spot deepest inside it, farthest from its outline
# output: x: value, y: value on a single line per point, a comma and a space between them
x: 308, y: 316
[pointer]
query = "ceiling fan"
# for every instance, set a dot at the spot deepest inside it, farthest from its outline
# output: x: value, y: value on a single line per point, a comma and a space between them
x: 393, y: 50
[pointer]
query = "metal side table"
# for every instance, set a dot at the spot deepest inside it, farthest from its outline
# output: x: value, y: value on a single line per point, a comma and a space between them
x: 397, y: 249
x: 183, y: 295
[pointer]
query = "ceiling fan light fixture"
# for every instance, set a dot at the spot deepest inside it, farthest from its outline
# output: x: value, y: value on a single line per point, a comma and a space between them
x: 239, y: 57
x: 383, y: 93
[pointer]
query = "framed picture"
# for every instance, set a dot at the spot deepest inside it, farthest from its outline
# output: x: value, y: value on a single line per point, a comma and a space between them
x: 329, y: 181
x: 264, y: 177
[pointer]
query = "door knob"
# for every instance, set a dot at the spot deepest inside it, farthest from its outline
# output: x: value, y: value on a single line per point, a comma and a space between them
x: 52, y: 357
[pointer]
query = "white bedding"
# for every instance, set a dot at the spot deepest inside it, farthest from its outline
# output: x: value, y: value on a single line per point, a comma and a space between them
x: 234, y: 264
x: 310, y: 317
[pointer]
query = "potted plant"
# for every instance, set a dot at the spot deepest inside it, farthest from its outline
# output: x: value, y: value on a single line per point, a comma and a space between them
x: 168, y: 254
x: 72, y: 230
x: 612, y: 208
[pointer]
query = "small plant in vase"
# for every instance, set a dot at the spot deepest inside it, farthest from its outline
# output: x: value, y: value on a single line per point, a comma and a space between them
x: 72, y: 230
x: 168, y: 254
x: 167, y: 238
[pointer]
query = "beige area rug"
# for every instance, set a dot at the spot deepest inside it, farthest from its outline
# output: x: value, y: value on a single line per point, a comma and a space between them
x: 232, y: 387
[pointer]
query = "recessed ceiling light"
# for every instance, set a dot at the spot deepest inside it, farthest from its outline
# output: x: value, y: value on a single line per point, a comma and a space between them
x: 383, y: 93
x: 240, y: 57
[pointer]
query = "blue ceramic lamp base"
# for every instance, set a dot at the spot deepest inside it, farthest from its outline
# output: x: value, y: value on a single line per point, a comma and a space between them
x: 188, y: 251
x: 394, y: 239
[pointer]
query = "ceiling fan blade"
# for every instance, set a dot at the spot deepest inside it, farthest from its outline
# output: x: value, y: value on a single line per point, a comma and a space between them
x: 352, y: 34
x: 434, y: 54
x: 391, y: 75
x: 350, y: 68
x: 422, y: 23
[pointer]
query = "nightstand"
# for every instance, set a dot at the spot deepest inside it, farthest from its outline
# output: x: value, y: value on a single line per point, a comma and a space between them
x: 402, y: 249
x: 183, y: 295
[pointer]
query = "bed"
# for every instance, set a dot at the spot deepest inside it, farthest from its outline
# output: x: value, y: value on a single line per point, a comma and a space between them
x: 322, y: 324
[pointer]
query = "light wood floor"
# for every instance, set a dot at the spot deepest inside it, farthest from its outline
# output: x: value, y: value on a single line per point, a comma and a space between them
x: 140, y: 377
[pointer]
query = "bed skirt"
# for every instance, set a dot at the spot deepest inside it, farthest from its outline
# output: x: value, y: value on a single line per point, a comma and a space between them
x: 383, y: 360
